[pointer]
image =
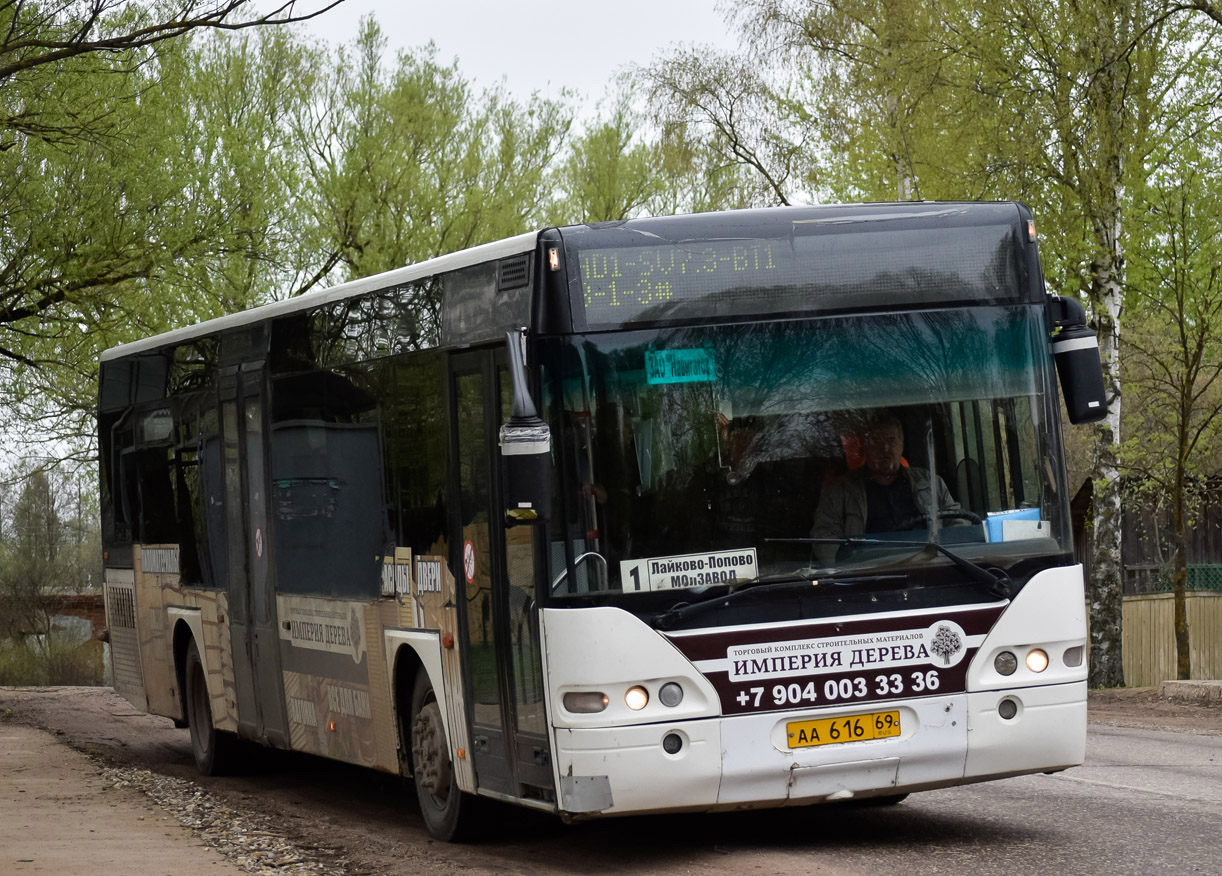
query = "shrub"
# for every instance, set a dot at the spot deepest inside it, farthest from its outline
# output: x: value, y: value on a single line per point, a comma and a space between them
x: 56, y: 660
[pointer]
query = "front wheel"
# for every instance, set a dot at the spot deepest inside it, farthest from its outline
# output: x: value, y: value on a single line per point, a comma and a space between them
x: 213, y: 750
x: 448, y: 812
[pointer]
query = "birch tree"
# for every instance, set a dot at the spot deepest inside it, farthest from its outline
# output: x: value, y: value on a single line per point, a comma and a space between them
x: 1175, y: 365
x: 1063, y: 105
x: 1101, y: 87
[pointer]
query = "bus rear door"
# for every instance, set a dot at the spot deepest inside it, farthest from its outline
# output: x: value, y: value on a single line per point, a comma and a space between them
x: 255, y: 640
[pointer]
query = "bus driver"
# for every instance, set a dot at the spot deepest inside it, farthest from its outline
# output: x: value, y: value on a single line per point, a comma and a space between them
x: 883, y: 495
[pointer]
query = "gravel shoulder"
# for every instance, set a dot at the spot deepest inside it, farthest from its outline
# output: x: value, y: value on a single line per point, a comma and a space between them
x: 100, y: 771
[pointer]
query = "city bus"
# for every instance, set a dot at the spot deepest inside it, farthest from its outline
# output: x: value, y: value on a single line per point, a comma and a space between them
x: 587, y: 520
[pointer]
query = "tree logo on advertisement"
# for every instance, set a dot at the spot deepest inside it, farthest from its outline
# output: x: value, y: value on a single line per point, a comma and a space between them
x: 468, y: 561
x: 945, y: 641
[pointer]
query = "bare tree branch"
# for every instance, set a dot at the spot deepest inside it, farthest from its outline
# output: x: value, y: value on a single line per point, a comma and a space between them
x: 33, y: 43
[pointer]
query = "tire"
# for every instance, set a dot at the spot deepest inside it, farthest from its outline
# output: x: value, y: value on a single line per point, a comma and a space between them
x: 448, y: 813
x: 212, y: 749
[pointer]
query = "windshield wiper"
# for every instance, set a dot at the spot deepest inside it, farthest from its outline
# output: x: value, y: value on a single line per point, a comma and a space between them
x: 798, y: 580
x: 994, y: 579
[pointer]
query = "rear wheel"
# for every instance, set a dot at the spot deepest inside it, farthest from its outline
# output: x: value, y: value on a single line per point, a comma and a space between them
x: 448, y: 812
x: 212, y: 749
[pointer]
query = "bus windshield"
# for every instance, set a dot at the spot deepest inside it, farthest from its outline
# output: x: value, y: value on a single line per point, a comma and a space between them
x: 699, y: 455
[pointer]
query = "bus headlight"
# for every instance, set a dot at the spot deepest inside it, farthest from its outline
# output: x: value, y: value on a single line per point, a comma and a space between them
x: 636, y: 698
x: 1037, y: 660
x: 585, y: 702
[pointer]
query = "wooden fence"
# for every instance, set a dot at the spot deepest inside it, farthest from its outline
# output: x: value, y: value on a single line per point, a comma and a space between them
x: 1149, y: 637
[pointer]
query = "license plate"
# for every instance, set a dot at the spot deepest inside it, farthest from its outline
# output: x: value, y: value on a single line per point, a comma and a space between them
x: 850, y: 728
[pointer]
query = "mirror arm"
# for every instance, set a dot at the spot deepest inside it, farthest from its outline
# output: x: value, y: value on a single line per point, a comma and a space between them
x: 523, y: 411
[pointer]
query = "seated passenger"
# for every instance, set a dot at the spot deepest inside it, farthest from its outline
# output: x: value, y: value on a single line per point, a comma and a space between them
x: 883, y: 495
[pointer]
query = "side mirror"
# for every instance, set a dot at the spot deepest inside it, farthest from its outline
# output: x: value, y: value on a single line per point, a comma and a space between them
x: 526, y: 472
x: 526, y: 449
x: 1075, y: 349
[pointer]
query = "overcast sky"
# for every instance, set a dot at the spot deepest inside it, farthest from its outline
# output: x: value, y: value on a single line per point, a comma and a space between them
x: 536, y: 46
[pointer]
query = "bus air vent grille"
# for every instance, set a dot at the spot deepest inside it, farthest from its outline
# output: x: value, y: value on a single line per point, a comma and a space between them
x: 121, y: 607
x: 126, y: 670
x: 514, y: 273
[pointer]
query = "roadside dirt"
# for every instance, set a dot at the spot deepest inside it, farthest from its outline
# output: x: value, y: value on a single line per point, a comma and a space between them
x: 62, y: 813
x: 345, y: 821
x: 1143, y: 708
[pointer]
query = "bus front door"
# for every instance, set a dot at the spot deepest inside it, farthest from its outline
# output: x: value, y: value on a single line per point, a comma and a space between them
x: 496, y: 573
x: 254, y: 639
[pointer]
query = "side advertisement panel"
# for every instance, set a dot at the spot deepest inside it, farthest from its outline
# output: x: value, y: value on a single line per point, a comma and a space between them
x: 338, y: 691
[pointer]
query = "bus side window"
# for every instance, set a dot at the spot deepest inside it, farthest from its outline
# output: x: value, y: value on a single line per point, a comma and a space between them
x: 191, y: 387
x: 415, y: 434
x: 158, y: 522
x: 327, y: 486
x: 141, y: 495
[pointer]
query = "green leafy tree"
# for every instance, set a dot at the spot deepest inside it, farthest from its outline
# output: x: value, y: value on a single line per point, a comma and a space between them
x: 876, y: 80
x: 621, y: 166
x: 609, y: 172
x: 1094, y: 92
x: 81, y: 77
x: 29, y: 564
x: 37, y: 35
x: 174, y: 206
x: 1063, y: 105
x: 404, y: 160
x: 48, y: 545
x: 179, y: 215
x: 741, y: 119
x: 1174, y: 367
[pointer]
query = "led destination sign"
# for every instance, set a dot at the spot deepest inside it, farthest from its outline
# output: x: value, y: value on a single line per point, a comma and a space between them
x: 808, y: 271
x: 632, y: 279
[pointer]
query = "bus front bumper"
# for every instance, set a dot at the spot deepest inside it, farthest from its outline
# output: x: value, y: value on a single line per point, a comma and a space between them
x: 744, y: 762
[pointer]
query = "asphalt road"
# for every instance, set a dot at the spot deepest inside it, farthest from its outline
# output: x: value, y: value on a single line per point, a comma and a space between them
x: 1146, y: 802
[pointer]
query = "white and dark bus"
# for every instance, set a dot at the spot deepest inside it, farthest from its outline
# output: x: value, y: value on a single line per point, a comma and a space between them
x: 587, y: 519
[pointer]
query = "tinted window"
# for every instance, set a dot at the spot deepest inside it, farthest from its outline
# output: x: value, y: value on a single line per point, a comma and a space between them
x: 194, y: 366
x: 148, y: 477
x: 415, y: 424
x: 702, y: 439
x: 196, y: 478
x: 327, y: 484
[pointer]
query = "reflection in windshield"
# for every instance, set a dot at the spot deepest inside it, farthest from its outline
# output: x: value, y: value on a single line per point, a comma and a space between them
x: 686, y: 453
